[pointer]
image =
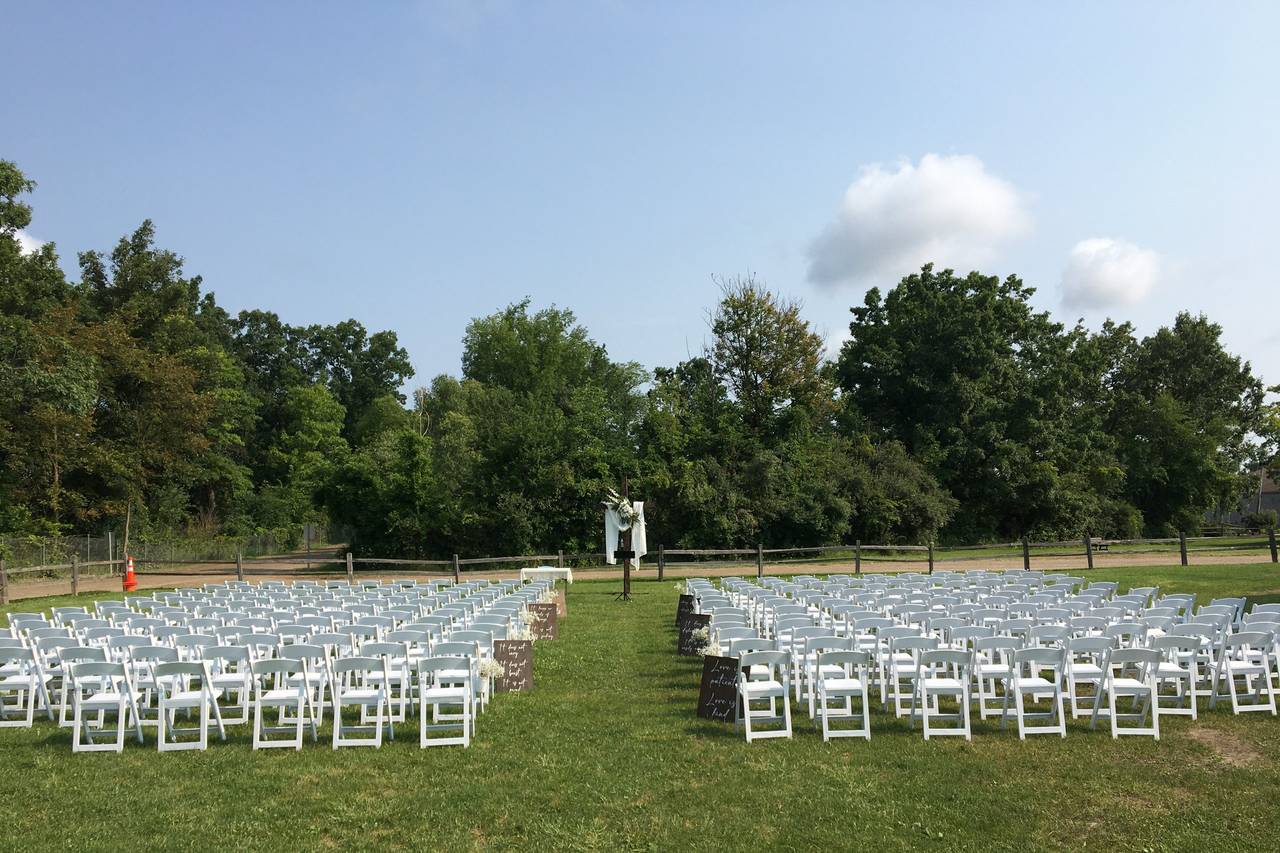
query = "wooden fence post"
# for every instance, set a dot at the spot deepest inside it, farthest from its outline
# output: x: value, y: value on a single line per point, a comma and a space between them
x: 1271, y: 537
x: 759, y: 559
x: 1088, y: 549
x: 457, y: 569
x: 239, y: 566
x: 111, y: 554
x: 560, y: 559
x: 857, y: 557
x: 1026, y: 554
x: 662, y: 562
x: 1182, y: 546
x: 4, y: 583
x: 351, y: 569
x: 75, y: 574
x: 930, y: 558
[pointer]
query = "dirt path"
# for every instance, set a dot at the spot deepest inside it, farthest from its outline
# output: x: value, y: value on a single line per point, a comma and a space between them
x: 290, y: 569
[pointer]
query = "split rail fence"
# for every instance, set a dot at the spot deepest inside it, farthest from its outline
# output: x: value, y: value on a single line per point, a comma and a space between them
x: 334, y: 560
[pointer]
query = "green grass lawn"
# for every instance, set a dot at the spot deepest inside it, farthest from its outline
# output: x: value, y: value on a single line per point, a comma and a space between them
x: 607, y: 752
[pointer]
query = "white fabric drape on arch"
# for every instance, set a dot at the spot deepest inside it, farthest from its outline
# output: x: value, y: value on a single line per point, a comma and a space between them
x: 613, y: 530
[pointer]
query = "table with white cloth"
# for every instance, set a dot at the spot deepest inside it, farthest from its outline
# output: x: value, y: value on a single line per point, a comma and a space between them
x: 541, y: 572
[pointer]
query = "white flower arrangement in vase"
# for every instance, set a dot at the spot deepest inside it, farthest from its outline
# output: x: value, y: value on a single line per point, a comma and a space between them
x: 491, y: 669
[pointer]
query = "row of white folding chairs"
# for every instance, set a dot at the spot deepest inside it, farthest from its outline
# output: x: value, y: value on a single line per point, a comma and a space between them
x: 841, y: 676
x: 107, y: 702
x: 38, y: 678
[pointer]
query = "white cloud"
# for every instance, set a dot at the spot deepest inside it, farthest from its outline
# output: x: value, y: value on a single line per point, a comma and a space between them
x: 948, y: 209
x: 1103, y: 272
x: 26, y: 243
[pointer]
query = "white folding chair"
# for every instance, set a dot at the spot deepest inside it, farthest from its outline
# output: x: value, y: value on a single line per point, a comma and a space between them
x: 942, y: 673
x: 774, y: 688
x: 1245, y: 666
x: 22, y: 679
x: 1130, y: 674
x: 841, y: 678
x: 361, y: 682
x: 102, y: 687
x: 185, y: 686
x: 444, y: 682
x: 279, y: 684
x: 1027, y: 678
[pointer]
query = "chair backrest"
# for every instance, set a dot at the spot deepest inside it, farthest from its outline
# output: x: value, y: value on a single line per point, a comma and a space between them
x: 934, y: 659
x: 309, y: 652
x: 360, y: 664
x: 153, y: 654
x: 170, y: 675
x: 775, y: 661
x: 1145, y: 659
x: 1090, y: 648
x: 385, y: 649
x: 749, y: 645
x: 452, y: 648
x: 437, y: 663
x: 275, y: 666
x: 98, y: 669
x: 1040, y: 657
x: 858, y: 658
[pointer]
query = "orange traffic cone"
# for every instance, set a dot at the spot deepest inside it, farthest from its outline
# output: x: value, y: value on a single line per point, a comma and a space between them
x: 130, y: 579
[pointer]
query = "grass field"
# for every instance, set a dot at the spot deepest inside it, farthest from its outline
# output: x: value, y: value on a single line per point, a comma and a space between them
x: 607, y: 752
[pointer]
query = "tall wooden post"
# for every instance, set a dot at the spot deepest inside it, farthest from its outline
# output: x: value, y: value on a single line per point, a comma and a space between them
x: 1088, y: 549
x: 1271, y: 537
x: 1026, y: 554
x: 662, y: 562
x: 75, y: 574
x: 457, y: 569
x: 111, y: 553
x: 759, y: 559
x: 857, y: 557
x: 239, y: 566
x: 560, y: 558
x: 626, y: 546
x: 930, y: 558
x: 4, y: 583
x: 1182, y: 546
x: 351, y: 569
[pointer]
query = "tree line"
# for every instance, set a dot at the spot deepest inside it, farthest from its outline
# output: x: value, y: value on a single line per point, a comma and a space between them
x: 954, y: 412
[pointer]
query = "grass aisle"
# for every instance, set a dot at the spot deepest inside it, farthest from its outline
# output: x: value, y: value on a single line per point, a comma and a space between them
x: 607, y: 752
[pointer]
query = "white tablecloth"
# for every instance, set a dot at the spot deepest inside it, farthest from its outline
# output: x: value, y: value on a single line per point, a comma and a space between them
x: 547, y: 572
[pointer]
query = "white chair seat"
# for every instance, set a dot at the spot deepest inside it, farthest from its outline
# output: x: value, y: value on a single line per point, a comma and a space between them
x: 279, y: 697
x: 1172, y: 670
x: 1086, y: 670
x: 842, y: 685
x: 1128, y: 685
x: 940, y: 684
x: 188, y: 698
x: 764, y: 688
x: 434, y: 694
x: 1032, y: 682
x: 365, y: 695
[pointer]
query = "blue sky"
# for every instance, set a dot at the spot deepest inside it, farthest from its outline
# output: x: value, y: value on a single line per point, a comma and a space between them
x: 414, y: 165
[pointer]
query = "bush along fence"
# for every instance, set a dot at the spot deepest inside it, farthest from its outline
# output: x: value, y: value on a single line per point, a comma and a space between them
x: 334, y: 560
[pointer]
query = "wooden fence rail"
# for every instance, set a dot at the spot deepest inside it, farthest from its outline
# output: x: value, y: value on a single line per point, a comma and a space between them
x: 928, y: 555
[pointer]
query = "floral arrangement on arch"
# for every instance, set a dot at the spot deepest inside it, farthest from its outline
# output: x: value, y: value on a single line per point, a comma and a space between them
x: 626, y: 511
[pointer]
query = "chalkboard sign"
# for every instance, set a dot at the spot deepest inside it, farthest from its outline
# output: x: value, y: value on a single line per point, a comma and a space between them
x: 718, y: 696
x: 688, y: 643
x: 684, y: 608
x: 516, y: 657
x: 545, y: 623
